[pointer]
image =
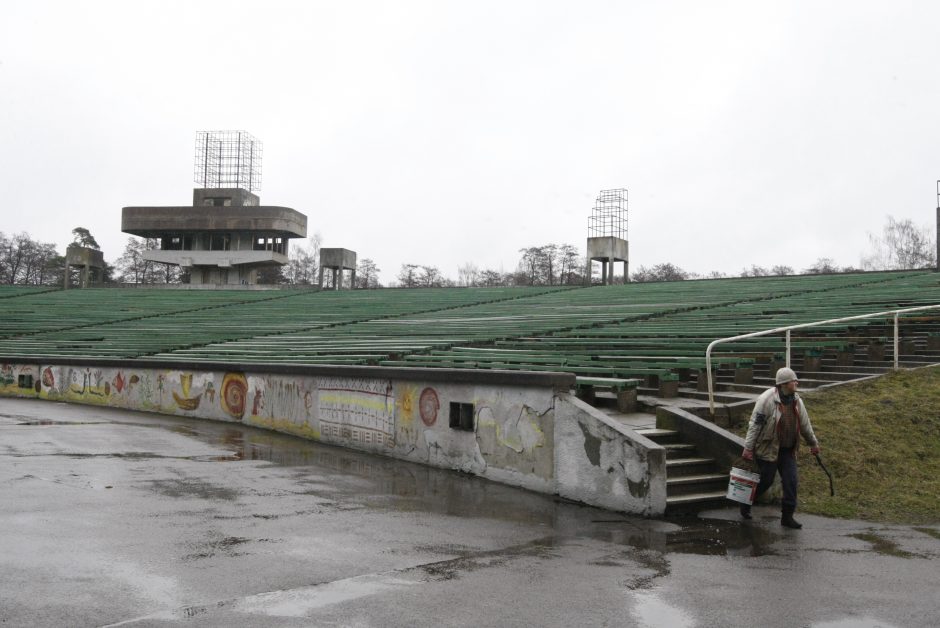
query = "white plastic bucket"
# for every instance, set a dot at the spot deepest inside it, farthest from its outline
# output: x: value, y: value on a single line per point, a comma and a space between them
x: 742, y: 486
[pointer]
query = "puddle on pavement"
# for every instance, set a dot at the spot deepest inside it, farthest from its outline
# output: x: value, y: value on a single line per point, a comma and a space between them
x: 193, y: 489
x: 350, y: 479
x: 930, y: 532
x: 690, y: 535
x: 881, y: 545
x: 650, y: 610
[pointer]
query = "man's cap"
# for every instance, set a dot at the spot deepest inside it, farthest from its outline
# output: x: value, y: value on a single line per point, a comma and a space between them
x: 785, y: 375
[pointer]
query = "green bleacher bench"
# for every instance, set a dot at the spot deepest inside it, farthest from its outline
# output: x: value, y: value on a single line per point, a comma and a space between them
x: 624, y: 389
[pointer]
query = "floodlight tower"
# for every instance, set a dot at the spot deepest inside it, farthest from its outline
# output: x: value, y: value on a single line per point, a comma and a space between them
x: 607, y: 235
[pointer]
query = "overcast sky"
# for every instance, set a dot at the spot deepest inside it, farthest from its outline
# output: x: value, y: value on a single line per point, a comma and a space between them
x: 445, y: 132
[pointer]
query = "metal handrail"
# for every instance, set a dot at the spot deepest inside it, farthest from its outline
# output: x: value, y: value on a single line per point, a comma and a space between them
x: 789, y: 328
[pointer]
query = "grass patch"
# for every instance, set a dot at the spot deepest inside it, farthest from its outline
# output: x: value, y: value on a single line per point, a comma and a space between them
x: 880, y: 439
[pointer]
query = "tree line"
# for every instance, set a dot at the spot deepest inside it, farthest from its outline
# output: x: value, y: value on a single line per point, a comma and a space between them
x: 901, y: 245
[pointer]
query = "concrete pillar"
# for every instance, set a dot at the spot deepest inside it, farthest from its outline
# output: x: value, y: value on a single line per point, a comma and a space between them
x: 339, y: 273
x: 626, y: 400
x: 668, y: 387
x: 744, y: 375
x: 812, y: 361
x: 701, y: 381
x: 352, y: 279
x: 876, y: 351
x: 320, y: 281
x: 604, y: 272
x: 845, y: 357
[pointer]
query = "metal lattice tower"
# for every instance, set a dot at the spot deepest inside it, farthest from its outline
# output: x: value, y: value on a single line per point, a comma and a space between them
x: 228, y: 159
x: 609, y: 216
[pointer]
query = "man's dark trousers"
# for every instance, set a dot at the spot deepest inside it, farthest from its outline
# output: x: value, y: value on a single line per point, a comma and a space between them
x: 786, y: 465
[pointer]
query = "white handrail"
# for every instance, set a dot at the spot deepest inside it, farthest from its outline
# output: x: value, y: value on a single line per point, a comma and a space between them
x: 894, y: 313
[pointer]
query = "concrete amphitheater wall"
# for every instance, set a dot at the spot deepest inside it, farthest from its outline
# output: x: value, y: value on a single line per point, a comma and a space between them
x: 521, y: 429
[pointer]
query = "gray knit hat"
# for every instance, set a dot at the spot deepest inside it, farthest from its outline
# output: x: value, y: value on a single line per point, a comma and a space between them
x: 785, y: 375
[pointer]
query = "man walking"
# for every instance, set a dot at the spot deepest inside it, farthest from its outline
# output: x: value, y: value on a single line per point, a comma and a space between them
x: 778, y: 420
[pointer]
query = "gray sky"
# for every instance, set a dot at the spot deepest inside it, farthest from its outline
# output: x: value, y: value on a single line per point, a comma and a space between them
x: 445, y: 132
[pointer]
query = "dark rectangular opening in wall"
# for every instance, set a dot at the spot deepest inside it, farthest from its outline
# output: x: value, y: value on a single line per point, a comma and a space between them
x: 461, y: 416
x: 25, y: 381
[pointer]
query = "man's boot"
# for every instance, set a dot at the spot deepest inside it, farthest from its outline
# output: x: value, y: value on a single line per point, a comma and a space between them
x: 745, y: 511
x: 787, y: 520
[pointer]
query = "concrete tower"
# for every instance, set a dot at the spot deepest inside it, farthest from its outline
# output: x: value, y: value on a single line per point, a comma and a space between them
x: 607, y: 235
x: 226, y: 236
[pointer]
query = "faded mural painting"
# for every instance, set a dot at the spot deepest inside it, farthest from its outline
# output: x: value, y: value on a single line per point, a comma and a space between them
x: 400, y: 418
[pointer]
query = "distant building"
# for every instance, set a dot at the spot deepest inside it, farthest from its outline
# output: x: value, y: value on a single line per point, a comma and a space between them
x: 90, y: 265
x: 226, y: 236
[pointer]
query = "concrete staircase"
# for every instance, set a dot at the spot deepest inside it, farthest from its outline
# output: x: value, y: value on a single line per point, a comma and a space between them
x: 693, y: 481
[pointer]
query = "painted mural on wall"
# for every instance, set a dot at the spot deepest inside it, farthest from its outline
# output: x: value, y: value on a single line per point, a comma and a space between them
x: 357, y: 410
x: 19, y: 379
x: 400, y: 418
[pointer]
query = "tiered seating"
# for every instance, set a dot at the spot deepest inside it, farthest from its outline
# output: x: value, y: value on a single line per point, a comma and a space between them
x: 653, y: 332
x: 140, y: 322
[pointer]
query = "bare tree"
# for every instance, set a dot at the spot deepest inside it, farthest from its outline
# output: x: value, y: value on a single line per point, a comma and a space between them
x: 468, y: 275
x: 755, y: 271
x: 822, y: 266
x: 901, y: 246
x: 780, y: 270
x: 303, y: 262
x: 367, y: 274
x: 408, y: 276
x: 430, y: 277
x: 661, y: 272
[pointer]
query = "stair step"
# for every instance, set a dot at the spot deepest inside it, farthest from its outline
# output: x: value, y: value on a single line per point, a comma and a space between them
x: 696, y: 498
x: 697, y: 478
x: 685, y: 462
x: 679, y: 450
x: 693, y: 465
x: 659, y: 436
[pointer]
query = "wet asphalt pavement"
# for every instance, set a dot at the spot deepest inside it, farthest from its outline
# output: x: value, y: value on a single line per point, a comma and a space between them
x: 113, y: 517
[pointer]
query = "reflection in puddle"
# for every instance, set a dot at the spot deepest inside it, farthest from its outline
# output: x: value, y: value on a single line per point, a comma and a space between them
x: 650, y: 610
x: 301, y: 601
x: 348, y: 479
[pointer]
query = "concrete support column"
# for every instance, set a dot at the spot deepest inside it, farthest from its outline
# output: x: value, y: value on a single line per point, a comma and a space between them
x: 352, y: 278
x: 876, y: 351
x: 320, y: 281
x: 626, y: 400
x: 604, y: 272
x: 744, y: 375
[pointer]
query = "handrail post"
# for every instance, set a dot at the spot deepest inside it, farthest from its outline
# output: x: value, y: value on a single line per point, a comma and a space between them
x: 788, y: 348
x: 711, y: 385
x: 897, y: 342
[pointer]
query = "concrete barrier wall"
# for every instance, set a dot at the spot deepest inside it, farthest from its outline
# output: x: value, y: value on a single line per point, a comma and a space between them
x: 403, y: 413
x: 602, y: 462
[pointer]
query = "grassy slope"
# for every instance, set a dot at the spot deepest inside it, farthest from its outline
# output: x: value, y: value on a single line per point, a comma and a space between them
x: 881, y: 442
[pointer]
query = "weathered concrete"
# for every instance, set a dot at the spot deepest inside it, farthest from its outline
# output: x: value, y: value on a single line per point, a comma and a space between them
x: 601, y: 462
x: 337, y: 261
x: 112, y: 516
x: 608, y: 250
x: 153, y: 222
x: 89, y: 260
x: 509, y: 435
